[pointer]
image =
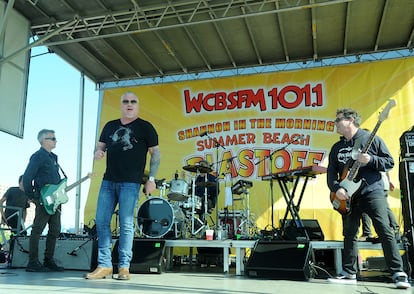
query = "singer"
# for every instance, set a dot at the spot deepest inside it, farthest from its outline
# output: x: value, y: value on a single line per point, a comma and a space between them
x: 125, y: 144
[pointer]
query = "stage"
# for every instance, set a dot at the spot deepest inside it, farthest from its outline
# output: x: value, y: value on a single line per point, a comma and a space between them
x: 184, y: 280
x: 191, y: 277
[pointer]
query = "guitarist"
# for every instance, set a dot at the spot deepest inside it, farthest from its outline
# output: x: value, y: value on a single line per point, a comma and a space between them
x: 369, y: 198
x: 43, y: 169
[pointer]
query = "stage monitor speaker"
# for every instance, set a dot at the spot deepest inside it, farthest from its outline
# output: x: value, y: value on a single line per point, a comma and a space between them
x: 406, y: 177
x: 280, y: 260
x: 147, y: 256
x: 295, y: 232
x: 407, y: 143
x: 76, y: 253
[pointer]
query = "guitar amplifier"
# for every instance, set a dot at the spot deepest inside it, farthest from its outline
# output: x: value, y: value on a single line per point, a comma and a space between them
x: 76, y: 253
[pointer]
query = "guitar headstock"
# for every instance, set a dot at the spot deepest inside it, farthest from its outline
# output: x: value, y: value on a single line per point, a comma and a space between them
x: 91, y: 175
x: 386, y: 111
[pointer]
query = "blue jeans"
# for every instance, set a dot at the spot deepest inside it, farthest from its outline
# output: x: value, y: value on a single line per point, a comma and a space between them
x: 126, y: 196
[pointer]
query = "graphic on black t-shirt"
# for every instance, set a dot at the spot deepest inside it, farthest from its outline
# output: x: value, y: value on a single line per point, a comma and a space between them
x: 344, y: 154
x: 124, y: 137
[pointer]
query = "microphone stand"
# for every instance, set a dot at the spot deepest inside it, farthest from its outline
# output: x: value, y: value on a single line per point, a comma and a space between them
x: 217, y: 146
x: 270, y: 156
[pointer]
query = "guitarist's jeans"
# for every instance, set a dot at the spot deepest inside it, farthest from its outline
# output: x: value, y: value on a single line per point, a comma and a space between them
x: 375, y: 205
x: 126, y: 196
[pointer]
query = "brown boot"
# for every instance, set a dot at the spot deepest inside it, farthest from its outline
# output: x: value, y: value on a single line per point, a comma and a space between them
x: 100, y: 273
x: 123, y: 273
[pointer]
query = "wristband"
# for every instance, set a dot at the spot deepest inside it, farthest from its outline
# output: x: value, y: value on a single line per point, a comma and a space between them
x: 151, y: 179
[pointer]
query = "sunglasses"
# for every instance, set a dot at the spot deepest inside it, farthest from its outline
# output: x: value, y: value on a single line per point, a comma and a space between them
x: 338, y: 119
x: 125, y: 102
x: 51, y: 139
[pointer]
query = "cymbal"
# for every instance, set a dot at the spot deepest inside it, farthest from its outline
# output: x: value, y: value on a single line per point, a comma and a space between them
x: 195, y: 168
x: 206, y: 184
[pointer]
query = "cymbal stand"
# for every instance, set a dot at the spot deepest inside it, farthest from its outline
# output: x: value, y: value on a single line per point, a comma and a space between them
x: 162, y: 189
x: 195, y: 231
x: 245, y: 225
x: 217, y: 146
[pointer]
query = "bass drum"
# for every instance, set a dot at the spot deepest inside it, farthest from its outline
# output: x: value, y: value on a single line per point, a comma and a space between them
x: 156, y: 217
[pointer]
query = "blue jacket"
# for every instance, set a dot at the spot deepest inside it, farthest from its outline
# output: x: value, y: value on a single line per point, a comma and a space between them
x: 42, y: 169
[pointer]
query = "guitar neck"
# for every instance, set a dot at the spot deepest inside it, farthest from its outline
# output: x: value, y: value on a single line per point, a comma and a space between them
x: 70, y: 187
x: 356, y: 165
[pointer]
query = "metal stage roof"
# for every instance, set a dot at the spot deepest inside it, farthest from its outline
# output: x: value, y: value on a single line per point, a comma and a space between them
x: 116, y: 40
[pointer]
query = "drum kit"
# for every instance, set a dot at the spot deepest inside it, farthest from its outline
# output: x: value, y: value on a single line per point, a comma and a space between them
x: 176, y: 217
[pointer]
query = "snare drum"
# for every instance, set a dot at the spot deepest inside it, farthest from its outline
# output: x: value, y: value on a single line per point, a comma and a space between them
x: 156, y: 217
x: 178, y: 190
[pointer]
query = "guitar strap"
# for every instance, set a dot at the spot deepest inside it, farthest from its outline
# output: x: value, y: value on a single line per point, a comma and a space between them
x: 361, y: 140
x: 62, y: 171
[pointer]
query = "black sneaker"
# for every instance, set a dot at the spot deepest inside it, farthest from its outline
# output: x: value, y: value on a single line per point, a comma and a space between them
x: 36, y: 266
x: 51, y: 265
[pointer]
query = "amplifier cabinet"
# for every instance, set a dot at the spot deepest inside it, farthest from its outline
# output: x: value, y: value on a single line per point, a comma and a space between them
x: 407, y: 144
x: 147, y: 256
x: 77, y: 253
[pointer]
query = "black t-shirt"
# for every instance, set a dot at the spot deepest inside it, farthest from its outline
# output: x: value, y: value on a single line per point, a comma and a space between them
x: 127, y: 148
x: 15, y: 197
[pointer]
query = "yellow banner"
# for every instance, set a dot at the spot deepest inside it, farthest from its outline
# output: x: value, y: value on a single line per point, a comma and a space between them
x: 250, y: 122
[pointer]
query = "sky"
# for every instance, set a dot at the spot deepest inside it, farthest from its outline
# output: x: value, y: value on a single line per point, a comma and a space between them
x: 53, y: 98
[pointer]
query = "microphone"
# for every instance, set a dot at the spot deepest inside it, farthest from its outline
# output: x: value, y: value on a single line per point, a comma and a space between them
x: 176, y: 175
x: 203, y: 134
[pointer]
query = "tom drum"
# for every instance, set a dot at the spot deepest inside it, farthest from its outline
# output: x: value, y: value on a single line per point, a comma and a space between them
x: 178, y: 190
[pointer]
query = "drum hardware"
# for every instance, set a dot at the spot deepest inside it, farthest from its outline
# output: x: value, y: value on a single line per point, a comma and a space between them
x: 206, y: 184
x: 240, y: 187
x: 161, y: 185
x: 238, y: 222
x: 202, y: 224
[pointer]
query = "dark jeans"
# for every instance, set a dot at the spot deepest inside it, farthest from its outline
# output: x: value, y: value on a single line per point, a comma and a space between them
x: 41, y: 219
x: 375, y: 205
x: 366, y: 222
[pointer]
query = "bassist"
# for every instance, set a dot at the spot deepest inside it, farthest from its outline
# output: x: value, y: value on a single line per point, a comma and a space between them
x: 367, y: 155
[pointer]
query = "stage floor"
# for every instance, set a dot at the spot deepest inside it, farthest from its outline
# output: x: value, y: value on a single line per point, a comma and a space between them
x: 191, y: 280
